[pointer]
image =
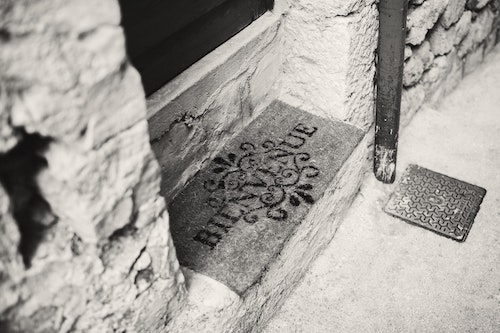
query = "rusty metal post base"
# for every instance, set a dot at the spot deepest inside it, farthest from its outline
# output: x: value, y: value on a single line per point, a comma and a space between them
x: 385, y: 164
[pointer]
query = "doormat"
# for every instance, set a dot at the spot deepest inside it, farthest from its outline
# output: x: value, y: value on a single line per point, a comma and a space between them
x: 444, y: 205
x: 233, y: 219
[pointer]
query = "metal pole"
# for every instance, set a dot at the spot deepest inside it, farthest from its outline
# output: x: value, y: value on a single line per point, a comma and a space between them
x: 391, y: 44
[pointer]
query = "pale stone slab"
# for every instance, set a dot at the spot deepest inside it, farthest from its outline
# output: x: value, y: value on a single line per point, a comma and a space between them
x: 234, y: 217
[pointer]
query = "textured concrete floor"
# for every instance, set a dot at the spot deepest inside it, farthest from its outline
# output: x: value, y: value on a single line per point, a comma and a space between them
x: 381, y: 274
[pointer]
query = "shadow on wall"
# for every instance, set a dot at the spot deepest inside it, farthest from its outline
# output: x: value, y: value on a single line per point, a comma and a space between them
x: 18, y: 170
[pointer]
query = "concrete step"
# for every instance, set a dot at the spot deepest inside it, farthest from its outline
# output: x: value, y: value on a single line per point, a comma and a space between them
x: 247, y: 226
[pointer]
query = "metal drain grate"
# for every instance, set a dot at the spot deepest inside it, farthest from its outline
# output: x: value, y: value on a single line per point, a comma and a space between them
x: 436, y: 202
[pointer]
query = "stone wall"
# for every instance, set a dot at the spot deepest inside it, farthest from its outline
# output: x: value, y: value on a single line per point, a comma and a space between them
x: 446, y: 40
x: 84, y: 234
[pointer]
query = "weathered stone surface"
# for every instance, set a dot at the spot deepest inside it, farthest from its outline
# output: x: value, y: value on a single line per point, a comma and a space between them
x: 408, y: 52
x: 8, y: 136
x: 423, y: 18
x: 195, y: 114
x: 360, y: 92
x: 443, y: 40
x: 72, y: 187
x: 452, y: 13
x: 413, y: 69
x: 423, y: 51
x: 491, y: 41
x: 61, y: 67
x: 443, y: 77
x: 338, y: 52
x: 411, y: 100
x: 437, y: 70
x: 11, y: 265
x: 103, y: 260
x: 479, y: 30
x: 462, y: 27
x: 474, y: 59
x: 232, y: 220
x: 433, y: 78
x: 477, y: 4
x: 455, y: 72
x: 28, y: 16
x: 334, y: 8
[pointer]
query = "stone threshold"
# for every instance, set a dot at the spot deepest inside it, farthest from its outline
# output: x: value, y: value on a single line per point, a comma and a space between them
x: 248, y: 225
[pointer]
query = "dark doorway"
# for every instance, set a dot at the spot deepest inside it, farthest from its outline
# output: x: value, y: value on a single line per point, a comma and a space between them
x: 164, y: 37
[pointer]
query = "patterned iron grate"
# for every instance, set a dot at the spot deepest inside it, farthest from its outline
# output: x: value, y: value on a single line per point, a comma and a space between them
x: 436, y: 202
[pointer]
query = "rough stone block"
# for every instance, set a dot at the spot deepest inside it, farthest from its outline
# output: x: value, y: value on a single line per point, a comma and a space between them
x: 477, y: 4
x: 432, y: 79
x: 413, y: 69
x: 452, y: 13
x: 8, y: 136
x: 437, y: 70
x: 423, y: 51
x: 408, y: 52
x: 119, y: 93
x: 443, y: 76
x: 233, y: 219
x: 491, y: 41
x: 58, y: 16
x: 479, y: 30
x: 359, y: 94
x: 334, y: 51
x: 56, y: 78
x: 423, y: 18
x: 11, y: 265
x: 411, y: 100
x: 483, y: 24
x: 474, y: 59
x: 93, y: 191
x: 104, y: 261
x: 462, y: 27
x: 441, y: 40
x: 455, y: 72
x: 335, y: 8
